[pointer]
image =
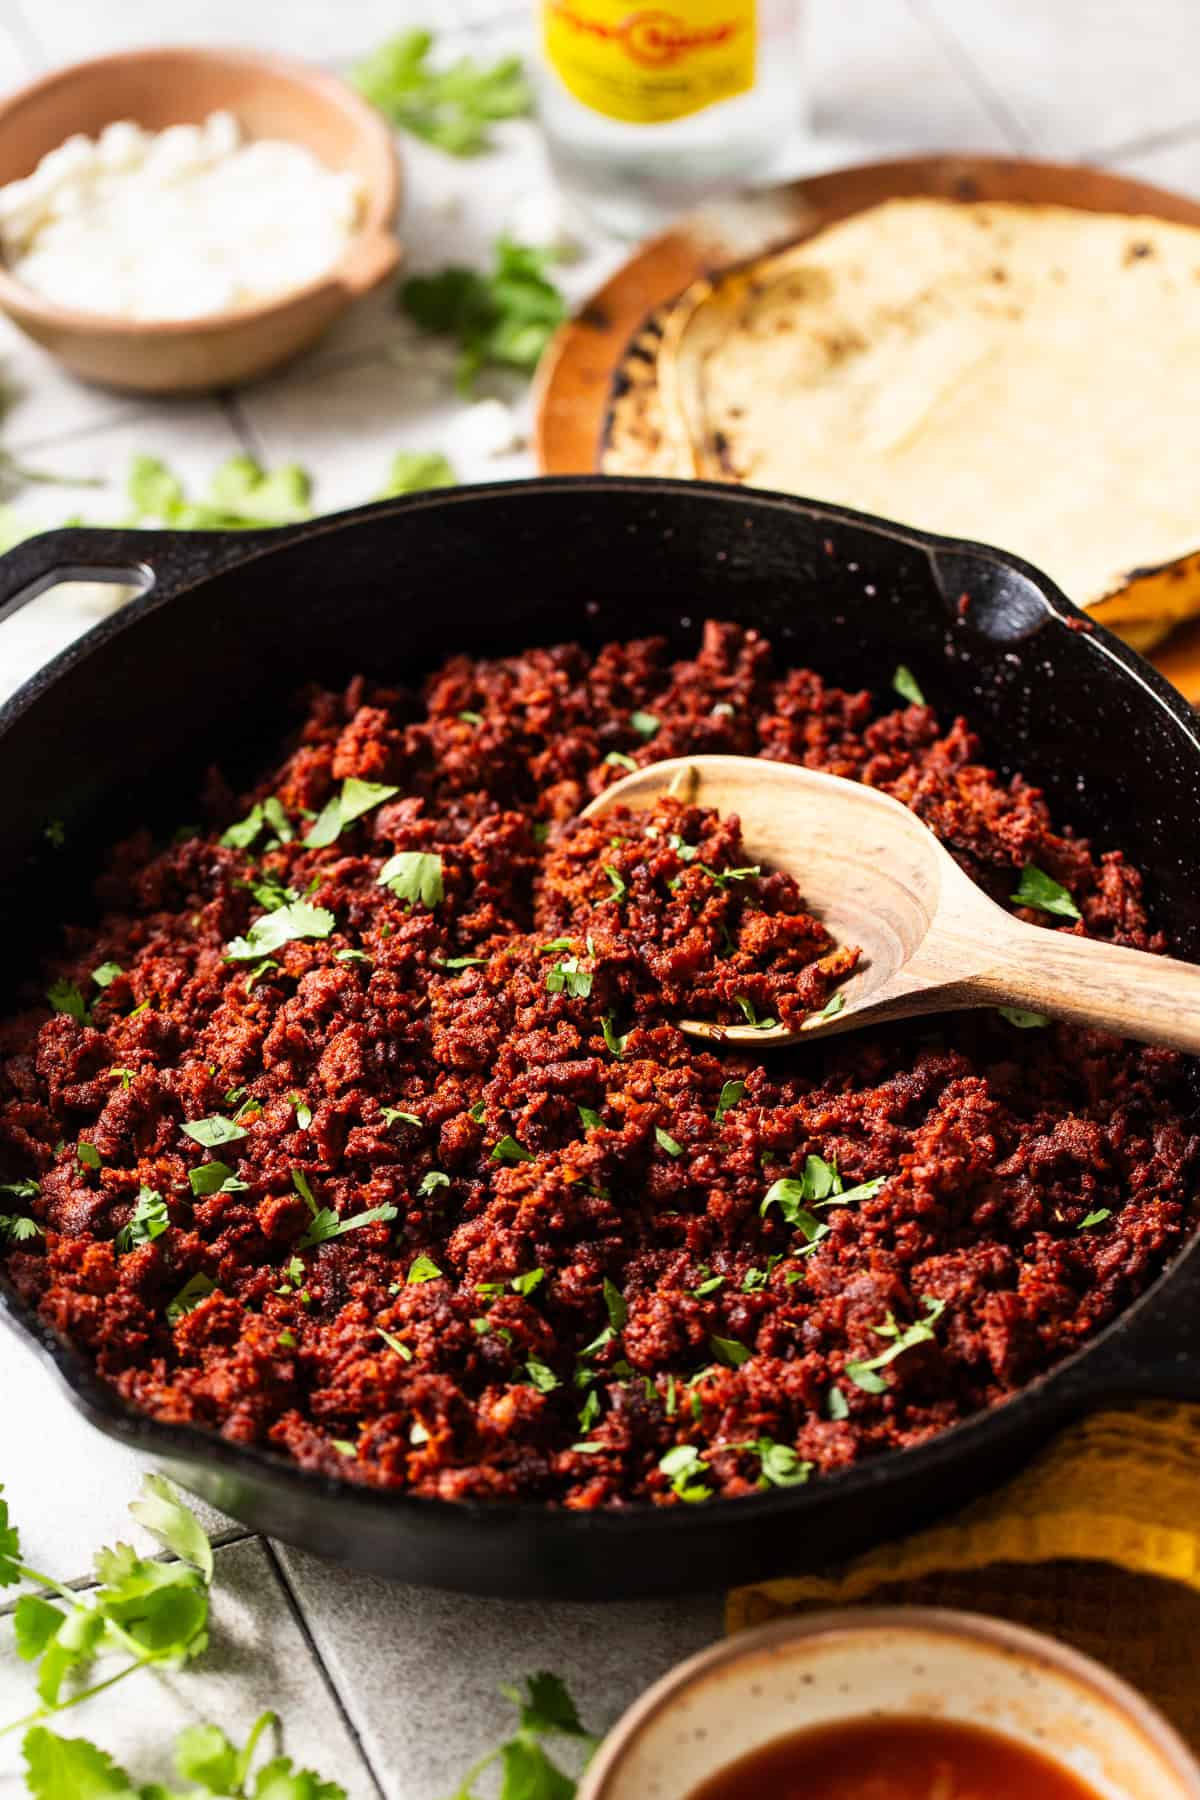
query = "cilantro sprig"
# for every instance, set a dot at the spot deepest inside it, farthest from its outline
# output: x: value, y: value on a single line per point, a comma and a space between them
x: 59, y: 1768
x: 451, y: 108
x: 150, y: 1613
x: 545, y: 1709
x: 865, y: 1375
x: 504, y: 318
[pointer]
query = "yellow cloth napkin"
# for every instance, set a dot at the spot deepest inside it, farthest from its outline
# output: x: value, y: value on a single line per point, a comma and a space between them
x: 1096, y: 1542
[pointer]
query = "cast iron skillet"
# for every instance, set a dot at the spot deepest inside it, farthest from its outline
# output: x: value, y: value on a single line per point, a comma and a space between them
x: 117, y: 729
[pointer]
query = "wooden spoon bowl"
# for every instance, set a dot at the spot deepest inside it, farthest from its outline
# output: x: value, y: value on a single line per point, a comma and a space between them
x: 931, y: 941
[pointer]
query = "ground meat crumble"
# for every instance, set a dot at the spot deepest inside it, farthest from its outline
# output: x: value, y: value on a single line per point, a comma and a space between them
x: 573, y: 1274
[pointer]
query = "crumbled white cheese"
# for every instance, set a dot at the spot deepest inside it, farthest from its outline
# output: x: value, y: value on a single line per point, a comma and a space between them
x: 177, y: 223
x: 489, y: 428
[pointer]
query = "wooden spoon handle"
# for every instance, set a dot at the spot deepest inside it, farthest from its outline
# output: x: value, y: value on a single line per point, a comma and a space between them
x: 1154, y: 999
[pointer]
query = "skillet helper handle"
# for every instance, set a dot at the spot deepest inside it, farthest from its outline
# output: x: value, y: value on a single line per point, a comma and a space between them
x: 1154, y: 999
x: 158, y: 562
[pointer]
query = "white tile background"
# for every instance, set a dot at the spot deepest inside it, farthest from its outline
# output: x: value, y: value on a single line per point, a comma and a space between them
x: 389, y: 1689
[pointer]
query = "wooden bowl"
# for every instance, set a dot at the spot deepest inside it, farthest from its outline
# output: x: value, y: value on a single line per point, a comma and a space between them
x: 270, y: 96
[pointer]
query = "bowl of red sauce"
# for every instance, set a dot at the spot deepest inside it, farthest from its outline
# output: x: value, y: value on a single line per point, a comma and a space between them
x: 892, y: 1704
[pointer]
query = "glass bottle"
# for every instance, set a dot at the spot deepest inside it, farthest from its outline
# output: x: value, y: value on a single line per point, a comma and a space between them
x: 648, y: 108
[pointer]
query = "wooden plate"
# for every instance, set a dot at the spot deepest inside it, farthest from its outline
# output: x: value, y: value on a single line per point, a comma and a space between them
x: 578, y: 368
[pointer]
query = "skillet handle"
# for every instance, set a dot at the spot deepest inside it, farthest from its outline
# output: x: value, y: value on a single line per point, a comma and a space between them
x: 1154, y: 1352
x: 164, y: 562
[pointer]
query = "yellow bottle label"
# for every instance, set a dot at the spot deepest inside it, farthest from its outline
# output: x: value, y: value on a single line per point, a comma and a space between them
x: 651, y: 64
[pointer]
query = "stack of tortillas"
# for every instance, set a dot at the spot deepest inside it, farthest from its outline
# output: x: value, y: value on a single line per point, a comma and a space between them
x: 1028, y: 376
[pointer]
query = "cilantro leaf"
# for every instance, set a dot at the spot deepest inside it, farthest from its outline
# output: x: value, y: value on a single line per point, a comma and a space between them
x: 614, y: 1300
x: 589, y: 1118
x: 423, y: 1268
x: 1023, y: 1020
x: 904, y: 682
x: 106, y: 974
x: 644, y: 723
x: 414, y: 875
x: 65, y: 997
x: 59, y: 1768
x: 750, y: 1015
x: 730, y: 1352
x: 16, y: 1228
x: 214, y: 1130
x: 189, y: 1297
x: 686, y: 1467
x: 666, y: 1142
x: 241, y: 495
x: 161, y: 1512
x: 508, y: 1150
x: 450, y: 108
x: 1095, y: 1218
x: 356, y: 798
x: 617, y: 759
x: 431, y: 1181
x: 296, y: 919
x: 832, y: 1006
x: 215, y: 1178
x: 731, y: 1093
x: 541, y: 1376
x: 1040, y: 890
x: 505, y: 318
x: 415, y: 471
x: 616, y: 1041
x: 326, y: 1224
x: 863, y: 1374
x: 10, y: 1546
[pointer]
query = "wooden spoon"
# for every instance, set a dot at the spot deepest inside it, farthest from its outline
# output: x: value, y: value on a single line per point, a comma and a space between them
x: 931, y: 940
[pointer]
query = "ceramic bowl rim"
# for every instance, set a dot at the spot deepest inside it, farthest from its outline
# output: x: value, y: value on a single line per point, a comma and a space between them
x: 374, y: 231
x: 1033, y: 1647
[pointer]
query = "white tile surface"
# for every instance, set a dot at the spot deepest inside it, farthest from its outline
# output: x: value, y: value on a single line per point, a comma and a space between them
x: 258, y: 1656
x: 1175, y: 165
x: 67, y: 1485
x: 447, y: 1656
x: 1080, y: 76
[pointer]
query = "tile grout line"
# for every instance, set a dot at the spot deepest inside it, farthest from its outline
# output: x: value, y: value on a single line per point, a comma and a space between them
x: 957, y: 54
x: 1169, y: 138
x: 331, y: 1687
x: 239, y: 424
x: 86, y: 1584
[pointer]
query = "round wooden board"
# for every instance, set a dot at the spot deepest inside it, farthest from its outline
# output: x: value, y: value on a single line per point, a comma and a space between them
x: 577, y: 370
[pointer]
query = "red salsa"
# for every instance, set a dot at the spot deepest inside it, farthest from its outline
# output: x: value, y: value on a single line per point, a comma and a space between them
x: 895, y: 1759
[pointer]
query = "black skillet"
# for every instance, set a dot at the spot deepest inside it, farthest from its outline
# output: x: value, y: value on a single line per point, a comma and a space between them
x: 116, y: 731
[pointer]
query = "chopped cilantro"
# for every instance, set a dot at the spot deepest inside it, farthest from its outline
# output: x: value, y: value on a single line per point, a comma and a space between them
x: 525, y: 1284
x: 415, y: 471
x: 750, y: 1015
x: 570, y: 977
x: 731, y: 1093
x: 666, y: 1142
x: 1040, y: 890
x: 189, y: 1297
x: 832, y: 1006
x: 543, y: 1378
x: 864, y: 1375
x: 644, y: 723
x: 106, y: 974
x: 619, y: 889
x: 836, y: 1404
x: 1095, y: 1218
x: 615, y: 1041
x: 65, y: 997
x: 88, y: 1154
x: 1024, y: 1021
x: 904, y: 682
x: 685, y: 1467
x: 394, y: 1343
x: 150, y: 1219
x: 326, y: 1224
x: 392, y: 1114
x: 431, y: 1181
x: 423, y: 1269
x: 614, y: 1300
x: 729, y: 1351
x: 509, y: 1151
x: 213, y: 1131
x: 617, y: 759
x: 590, y: 1119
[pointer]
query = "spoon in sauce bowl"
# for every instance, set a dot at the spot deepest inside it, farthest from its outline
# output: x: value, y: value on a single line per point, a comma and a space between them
x: 930, y: 940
